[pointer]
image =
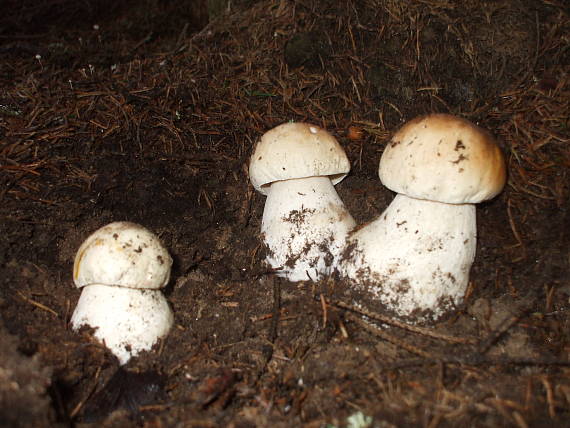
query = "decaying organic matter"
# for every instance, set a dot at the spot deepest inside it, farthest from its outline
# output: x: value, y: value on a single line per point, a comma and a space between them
x: 111, y: 111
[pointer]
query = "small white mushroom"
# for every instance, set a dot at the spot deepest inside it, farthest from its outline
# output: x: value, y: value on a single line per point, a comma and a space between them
x: 416, y: 256
x: 304, y: 222
x: 121, y: 268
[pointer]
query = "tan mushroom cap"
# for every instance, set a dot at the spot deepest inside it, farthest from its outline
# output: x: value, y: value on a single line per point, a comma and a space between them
x: 443, y: 158
x: 296, y: 150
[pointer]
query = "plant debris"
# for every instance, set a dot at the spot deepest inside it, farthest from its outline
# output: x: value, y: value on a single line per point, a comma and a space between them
x: 149, y: 112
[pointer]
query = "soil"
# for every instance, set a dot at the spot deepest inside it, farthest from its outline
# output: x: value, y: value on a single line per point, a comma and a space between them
x: 148, y: 112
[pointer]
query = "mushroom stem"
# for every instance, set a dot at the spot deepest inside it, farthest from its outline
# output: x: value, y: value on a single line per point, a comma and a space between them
x: 415, y: 257
x: 127, y: 320
x: 304, y: 225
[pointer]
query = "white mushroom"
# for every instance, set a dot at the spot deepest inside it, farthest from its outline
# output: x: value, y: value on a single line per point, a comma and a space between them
x: 121, y: 268
x: 416, y: 256
x: 304, y: 222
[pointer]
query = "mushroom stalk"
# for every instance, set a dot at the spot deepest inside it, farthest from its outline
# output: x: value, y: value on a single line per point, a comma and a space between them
x: 304, y: 225
x: 415, y: 258
x: 127, y: 320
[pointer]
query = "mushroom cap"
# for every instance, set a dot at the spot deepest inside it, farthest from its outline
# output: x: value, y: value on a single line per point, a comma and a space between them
x: 296, y: 150
x: 122, y: 254
x: 443, y: 158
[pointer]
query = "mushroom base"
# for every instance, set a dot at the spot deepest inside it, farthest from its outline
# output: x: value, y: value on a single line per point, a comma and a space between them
x: 304, y: 226
x: 126, y: 320
x: 414, y: 258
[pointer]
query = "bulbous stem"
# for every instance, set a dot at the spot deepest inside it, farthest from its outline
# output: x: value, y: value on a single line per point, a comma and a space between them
x: 415, y: 257
x: 304, y: 224
x: 126, y: 320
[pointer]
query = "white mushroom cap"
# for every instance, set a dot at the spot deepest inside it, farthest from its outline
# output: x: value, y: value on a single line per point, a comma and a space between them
x: 126, y: 320
x: 122, y: 254
x: 296, y: 150
x: 443, y: 158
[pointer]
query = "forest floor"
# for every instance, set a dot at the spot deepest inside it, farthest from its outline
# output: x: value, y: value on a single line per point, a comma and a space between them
x: 144, y: 111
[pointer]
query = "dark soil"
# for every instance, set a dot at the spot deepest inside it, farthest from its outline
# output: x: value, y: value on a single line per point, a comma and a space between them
x: 144, y: 111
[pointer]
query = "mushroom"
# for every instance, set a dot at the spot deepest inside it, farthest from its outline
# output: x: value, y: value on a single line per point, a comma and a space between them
x: 305, y: 223
x: 416, y: 256
x: 121, y: 268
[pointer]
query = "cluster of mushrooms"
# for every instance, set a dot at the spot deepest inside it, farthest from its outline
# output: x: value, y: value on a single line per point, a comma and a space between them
x: 414, y: 259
